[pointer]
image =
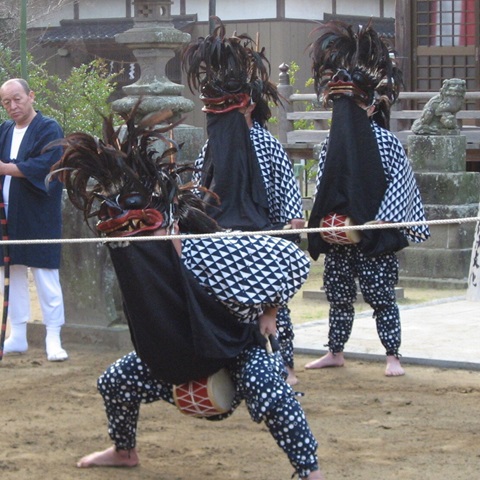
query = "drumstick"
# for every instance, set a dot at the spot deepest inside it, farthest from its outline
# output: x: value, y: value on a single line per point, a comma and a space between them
x: 268, y: 345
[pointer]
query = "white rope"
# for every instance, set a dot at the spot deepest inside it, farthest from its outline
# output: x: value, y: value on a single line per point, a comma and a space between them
x: 370, y: 226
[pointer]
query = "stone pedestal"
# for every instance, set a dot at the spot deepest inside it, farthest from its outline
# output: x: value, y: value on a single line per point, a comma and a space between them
x: 92, y: 298
x: 192, y: 138
x: 448, y: 192
x: 442, y: 153
x: 90, y: 289
x: 93, y: 303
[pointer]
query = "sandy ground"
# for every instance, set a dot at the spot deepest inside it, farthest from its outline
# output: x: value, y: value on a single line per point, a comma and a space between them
x: 424, y: 425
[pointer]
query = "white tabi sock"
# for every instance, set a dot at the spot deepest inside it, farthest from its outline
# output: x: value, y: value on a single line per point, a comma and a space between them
x: 17, y: 340
x: 55, y: 352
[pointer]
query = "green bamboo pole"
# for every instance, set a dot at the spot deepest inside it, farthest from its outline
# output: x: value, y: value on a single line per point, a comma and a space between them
x: 23, y: 39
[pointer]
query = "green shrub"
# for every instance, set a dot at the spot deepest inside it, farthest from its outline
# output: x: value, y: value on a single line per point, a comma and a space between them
x: 77, y: 102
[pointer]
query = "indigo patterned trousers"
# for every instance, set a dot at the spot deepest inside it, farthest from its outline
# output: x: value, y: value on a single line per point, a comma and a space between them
x: 259, y: 379
x: 377, y: 278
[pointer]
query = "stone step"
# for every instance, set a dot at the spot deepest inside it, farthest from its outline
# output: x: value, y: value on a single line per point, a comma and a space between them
x: 435, y: 263
x: 117, y: 338
x: 322, y: 296
x: 434, y: 283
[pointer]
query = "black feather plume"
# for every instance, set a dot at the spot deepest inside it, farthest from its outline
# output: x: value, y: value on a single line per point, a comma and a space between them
x: 362, y: 57
x: 217, y: 66
x: 121, y: 178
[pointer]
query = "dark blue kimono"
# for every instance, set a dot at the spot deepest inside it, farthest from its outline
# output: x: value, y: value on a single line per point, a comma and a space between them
x: 34, y: 210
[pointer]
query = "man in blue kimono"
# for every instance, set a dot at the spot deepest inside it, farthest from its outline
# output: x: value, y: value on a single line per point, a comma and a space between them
x: 33, y: 211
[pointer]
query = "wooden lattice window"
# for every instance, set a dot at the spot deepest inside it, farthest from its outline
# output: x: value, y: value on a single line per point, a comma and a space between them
x: 433, y: 69
x: 446, y: 39
x: 446, y: 23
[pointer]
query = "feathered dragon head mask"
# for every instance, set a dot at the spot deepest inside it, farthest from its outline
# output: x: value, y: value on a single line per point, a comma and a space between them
x: 124, y: 183
x: 229, y: 73
x: 355, y: 63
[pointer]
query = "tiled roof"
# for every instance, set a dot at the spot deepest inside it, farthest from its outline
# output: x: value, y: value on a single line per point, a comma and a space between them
x: 83, y: 30
x: 98, y: 29
x: 385, y: 26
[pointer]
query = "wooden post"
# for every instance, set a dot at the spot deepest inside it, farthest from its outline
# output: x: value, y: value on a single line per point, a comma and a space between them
x: 473, y: 289
x: 285, y: 90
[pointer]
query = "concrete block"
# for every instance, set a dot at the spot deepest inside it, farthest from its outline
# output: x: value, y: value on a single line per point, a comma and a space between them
x: 443, y: 211
x: 449, y: 236
x: 320, y: 294
x: 433, y: 283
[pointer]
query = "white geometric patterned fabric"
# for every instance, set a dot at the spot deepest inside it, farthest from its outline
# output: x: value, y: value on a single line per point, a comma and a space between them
x: 247, y: 274
x: 283, y: 193
x: 402, y: 201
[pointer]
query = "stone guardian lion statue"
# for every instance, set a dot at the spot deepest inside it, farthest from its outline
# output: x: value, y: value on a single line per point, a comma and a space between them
x: 439, y: 114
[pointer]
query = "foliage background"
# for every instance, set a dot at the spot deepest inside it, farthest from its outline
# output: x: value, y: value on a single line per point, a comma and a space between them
x: 77, y: 102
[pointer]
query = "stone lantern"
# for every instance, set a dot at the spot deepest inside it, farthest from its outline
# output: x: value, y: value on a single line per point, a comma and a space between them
x: 153, y: 40
x: 93, y: 302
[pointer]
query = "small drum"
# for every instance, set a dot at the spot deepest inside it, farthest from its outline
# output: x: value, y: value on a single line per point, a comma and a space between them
x: 205, y: 397
x: 343, y: 237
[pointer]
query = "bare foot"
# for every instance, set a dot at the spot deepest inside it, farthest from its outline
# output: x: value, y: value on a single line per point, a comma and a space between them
x: 315, y: 475
x: 110, y: 458
x: 393, y: 369
x: 292, y: 377
x: 328, y: 360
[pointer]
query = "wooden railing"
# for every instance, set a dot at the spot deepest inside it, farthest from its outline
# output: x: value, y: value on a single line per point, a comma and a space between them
x: 299, y: 143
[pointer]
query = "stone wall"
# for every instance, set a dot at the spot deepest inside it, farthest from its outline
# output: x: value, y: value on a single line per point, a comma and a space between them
x: 448, y: 192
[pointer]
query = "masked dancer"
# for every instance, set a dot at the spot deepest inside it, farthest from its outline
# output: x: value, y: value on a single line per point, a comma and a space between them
x: 242, y: 163
x: 364, y: 176
x: 194, y: 305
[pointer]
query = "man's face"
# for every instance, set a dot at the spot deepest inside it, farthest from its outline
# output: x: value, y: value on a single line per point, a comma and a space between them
x: 17, y: 103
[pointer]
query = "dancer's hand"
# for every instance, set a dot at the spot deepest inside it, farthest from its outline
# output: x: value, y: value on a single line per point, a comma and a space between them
x: 268, y: 322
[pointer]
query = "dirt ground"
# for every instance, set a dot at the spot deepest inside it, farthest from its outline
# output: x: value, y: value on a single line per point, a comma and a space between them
x: 424, y: 425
